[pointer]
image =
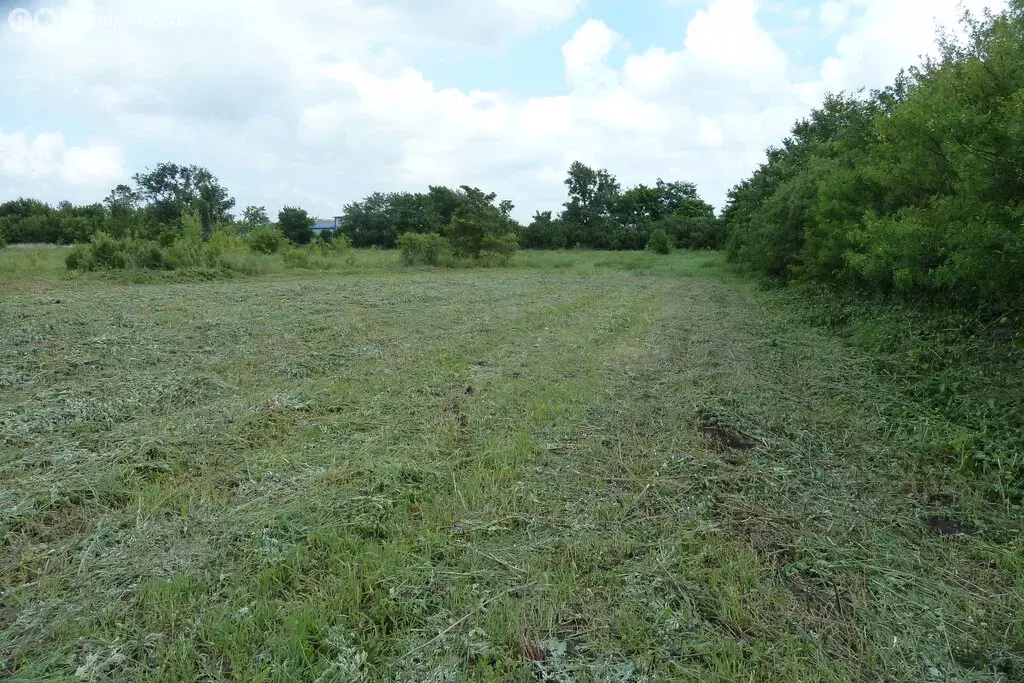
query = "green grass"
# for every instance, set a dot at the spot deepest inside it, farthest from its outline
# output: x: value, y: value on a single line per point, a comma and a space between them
x: 380, y: 473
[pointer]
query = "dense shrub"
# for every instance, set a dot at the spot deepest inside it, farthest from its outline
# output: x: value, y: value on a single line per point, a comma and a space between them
x: 329, y: 242
x: 296, y: 225
x: 79, y: 258
x: 265, y: 240
x: 659, y: 242
x: 430, y: 249
x: 693, y: 232
x: 479, y: 229
x: 913, y: 192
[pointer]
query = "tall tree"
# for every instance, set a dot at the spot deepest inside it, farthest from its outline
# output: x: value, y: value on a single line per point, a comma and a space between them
x: 254, y: 217
x: 592, y: 198
x: 169, y: 190
x: 296, y: 224
x: 478, y: 227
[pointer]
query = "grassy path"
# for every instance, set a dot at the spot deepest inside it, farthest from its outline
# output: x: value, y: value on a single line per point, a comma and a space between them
x: 510, y: 475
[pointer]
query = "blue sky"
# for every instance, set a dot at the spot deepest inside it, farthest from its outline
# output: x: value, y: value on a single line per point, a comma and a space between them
x: 319, y: 103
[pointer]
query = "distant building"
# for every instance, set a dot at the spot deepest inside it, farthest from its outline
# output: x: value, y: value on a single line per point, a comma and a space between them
x: 322, y: 226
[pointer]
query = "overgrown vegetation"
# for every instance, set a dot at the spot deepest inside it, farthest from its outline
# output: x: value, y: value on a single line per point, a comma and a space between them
x: 428, y: 249
x: 659, y: 242
x: 914, y: 192
x: 914, y: 195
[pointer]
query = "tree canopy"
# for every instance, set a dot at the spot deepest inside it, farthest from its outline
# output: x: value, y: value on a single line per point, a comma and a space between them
x: 915, y: 191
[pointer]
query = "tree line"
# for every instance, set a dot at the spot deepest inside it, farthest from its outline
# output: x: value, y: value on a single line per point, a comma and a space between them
x: 597, y: 215
x: 153, y: 207
x: 915, y: 191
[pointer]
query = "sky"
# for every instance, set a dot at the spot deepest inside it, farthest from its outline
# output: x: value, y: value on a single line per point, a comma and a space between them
x: 317, y: 103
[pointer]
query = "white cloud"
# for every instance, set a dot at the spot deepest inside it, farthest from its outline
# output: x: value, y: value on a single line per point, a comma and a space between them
x: 833, y: 14
x: 47, y: 158
x: 885, y: 36
x: 585, y: 55
x: 321, y: 102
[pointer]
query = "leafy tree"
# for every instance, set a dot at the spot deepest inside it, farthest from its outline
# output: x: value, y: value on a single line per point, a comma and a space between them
x: 914, y: 191
x: 296, y: 224
x: 265, y: 240
x: 368, y: 222
x: 254, y: 217
x: 481, y: 228
x: 544, y: 232
x: 170, y: 190
x: 635, y: 211
x: 122, y: 207
x: 588, y: 213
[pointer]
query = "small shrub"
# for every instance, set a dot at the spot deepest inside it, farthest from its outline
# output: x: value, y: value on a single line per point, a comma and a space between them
x: 150, y: 255
x: 659, y: 242
x: 222, y: 241
x: 296, y: 258
x: 79, y: 258
x: 3, y: 242
x: 107, y: 252
x: 428, y: 249
x: 265, y: 240
x: 330, y: 242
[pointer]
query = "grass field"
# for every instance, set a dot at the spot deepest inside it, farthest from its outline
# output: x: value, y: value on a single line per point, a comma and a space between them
x: 583, y: 467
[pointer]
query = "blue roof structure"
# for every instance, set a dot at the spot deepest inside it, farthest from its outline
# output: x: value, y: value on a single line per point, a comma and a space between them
x: 321, y: 226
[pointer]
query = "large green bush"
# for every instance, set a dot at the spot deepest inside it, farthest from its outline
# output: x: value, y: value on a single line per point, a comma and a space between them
x: 265, y: 240
x: 913, y: 192
x: 659, y: 242
x: 296, y: 224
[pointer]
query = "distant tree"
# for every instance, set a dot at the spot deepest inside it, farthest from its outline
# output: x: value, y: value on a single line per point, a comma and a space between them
x: 170, y: 190
x: 480, y: 228
x: 635, y: 211
x: 368, y: 222
x: 544, y: 232
x: 254, y: 217
x: 588, y: 213
x: 682, y: 199
x: 296, y: 224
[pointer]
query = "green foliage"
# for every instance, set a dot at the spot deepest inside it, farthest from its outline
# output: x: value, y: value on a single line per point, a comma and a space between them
x: 696, y: 232
x: 481, y: 229
x: 169, y: 191
x: 544, y: 232
x: 31, y: 221
x: 79, y: 258
x: 296, y: 225
x: 430, y: 249
x: 253, y: 217
x: 330, y: 241
x: 267, y: 240
x: 379, y: 219
x: 588, y: 214
x: 599, y: 215
x: 913, y: 192
x: 659, y: 242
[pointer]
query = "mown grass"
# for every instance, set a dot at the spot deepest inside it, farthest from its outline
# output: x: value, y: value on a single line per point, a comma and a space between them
x: 522, y: 473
